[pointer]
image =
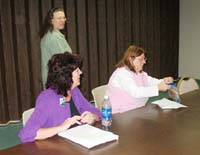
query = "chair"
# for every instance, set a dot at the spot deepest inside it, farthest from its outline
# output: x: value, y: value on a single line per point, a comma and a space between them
x: 26, y: 115
x: 187, y: 84
x: 98, y: 95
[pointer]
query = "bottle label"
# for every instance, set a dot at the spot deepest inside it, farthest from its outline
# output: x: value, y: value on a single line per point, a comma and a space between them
x: 107, y: 113
x: 173, y: 94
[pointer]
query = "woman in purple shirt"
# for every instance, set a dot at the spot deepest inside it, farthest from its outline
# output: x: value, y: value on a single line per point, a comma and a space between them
x: 61, y: 105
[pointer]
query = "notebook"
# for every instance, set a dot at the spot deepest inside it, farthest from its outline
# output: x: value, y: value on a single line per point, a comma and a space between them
x: 88, y: 136
x: 168, y: 104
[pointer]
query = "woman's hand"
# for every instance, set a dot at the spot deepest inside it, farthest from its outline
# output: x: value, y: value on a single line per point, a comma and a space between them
x: 44, y: 133
x: 88, y: 117
x: 70, y: 121
x: 163, y: 86
x: 168, y: 80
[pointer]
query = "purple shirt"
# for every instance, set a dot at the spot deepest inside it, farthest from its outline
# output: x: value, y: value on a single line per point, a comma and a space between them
x: 49, y: 113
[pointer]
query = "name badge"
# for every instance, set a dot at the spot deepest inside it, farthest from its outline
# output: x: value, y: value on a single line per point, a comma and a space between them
x: 62, y: 101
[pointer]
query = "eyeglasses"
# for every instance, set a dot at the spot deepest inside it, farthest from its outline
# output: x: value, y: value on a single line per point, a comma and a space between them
x: 61, y: 18
x: 142, y: 59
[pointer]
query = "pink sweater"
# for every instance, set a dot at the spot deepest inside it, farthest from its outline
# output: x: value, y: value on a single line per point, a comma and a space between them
x: 128, y: 90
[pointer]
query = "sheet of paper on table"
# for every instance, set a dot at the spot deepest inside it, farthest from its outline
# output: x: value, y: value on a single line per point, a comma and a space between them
x: 88, y: 136
x: 168, y: 104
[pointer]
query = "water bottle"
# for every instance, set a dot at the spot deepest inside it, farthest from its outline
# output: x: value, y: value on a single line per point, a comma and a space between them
x: 173, y: 92
x: 106, y: 111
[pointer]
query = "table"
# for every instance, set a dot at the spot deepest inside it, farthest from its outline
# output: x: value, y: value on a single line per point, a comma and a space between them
x: 143, y: 131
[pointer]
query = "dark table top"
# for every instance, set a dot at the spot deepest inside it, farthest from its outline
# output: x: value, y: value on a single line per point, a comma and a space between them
x: 143, y: 131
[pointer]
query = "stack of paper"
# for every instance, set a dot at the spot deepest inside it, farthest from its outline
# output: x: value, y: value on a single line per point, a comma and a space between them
x: 88, y: 135
x: 168, y: 104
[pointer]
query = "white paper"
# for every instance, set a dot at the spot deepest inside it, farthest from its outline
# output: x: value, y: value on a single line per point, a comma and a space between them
x: 168, y: 104
x: 88, y: 136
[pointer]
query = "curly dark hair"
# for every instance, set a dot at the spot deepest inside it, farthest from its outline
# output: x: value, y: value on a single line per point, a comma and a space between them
x: 60, y: 68
x: 47, y: 25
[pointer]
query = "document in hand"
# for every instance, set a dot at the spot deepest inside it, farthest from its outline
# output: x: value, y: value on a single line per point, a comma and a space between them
x: 168, y: 104
x: 88, y: 136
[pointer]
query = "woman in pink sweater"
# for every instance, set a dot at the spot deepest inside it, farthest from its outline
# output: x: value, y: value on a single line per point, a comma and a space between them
x: 129, y: 86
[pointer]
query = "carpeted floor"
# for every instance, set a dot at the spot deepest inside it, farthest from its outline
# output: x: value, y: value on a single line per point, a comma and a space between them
x: 9, y: 135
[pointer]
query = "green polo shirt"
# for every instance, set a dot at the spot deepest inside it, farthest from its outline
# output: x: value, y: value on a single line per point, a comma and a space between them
x: 51, y: 43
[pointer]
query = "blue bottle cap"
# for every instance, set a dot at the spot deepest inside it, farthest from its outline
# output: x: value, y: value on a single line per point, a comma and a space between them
x: 172, y: 84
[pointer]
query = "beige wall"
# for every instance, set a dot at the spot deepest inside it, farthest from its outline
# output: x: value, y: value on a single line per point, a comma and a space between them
x: 189, y: 44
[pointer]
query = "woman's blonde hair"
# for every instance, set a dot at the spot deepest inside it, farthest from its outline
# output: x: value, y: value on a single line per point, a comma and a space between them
x: 132, y: 52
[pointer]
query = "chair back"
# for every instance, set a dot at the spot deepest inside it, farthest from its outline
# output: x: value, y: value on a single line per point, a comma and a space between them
x: 26, y: 115
x: 187, y: 84
x: 98, y: 95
